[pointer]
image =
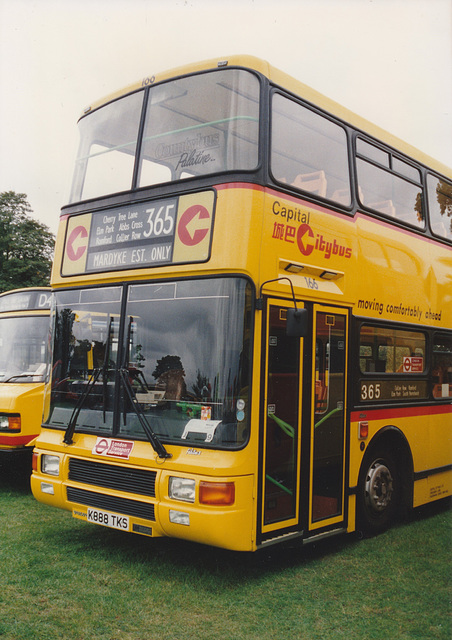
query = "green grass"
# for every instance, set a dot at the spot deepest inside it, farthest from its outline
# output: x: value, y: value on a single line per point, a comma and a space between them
x: 61, y: 578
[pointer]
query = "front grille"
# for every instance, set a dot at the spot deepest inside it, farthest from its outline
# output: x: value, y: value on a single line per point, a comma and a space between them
x: 110, y: 476
x: 122, y: 506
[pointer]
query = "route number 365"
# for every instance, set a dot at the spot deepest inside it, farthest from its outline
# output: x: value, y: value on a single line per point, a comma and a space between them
x: 371, y: 391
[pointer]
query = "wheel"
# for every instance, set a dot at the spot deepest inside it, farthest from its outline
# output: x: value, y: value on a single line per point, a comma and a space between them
x: 379, y: 492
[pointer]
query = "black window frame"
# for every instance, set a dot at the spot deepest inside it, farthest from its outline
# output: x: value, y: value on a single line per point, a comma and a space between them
x: 391, y: 155
x: 371, y: 377
x: 175, y: 185
x: 439, y: 334
x: 436, y: 176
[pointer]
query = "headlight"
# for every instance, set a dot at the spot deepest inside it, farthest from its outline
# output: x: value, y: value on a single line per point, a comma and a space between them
x: 10, y: 423
x: 50, y: 464
x: 181, y: 489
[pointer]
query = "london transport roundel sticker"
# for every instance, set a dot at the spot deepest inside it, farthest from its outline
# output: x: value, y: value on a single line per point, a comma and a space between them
x: 101, y: 446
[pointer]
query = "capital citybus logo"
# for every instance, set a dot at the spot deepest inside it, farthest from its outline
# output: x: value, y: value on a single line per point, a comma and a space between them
x: 327, y: 247
x: 306, y: 239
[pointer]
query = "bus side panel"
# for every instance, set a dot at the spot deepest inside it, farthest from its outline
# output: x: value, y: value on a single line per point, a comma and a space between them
x: 430, y: 441
x: 26, y: 400
x: 435, y: 487
x: 437, y: 484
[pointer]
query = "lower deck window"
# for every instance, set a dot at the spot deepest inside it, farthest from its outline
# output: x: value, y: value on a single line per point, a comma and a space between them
x: 393, y: 364
x: 442, y: 367
x: 387, y: 350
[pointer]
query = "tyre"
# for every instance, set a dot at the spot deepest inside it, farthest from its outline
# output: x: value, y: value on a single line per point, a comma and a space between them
x: 379, y: 492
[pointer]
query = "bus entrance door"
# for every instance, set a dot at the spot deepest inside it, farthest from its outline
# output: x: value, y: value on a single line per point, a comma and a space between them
x: 282, y: 420
x: 327, y: 450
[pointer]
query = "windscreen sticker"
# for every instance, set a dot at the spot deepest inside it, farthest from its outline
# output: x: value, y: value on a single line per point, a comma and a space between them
x: 413, y: 364
x: 113, y: 448
x: 167, y: 231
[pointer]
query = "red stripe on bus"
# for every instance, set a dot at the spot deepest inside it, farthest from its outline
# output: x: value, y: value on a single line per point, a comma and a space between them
x: 14, y: 441
x: 353, y: 216
x: 399, y: 412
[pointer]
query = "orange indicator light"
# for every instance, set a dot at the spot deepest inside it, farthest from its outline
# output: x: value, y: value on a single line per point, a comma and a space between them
x: 14, y: 423
x: 217, y: 493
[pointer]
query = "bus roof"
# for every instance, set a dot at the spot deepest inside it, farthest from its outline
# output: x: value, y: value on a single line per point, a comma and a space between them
x: 282, y: 79
x: 24, y: 289
x: 26, y: 299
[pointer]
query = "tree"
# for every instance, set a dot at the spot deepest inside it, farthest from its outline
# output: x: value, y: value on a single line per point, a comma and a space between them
x: 26, y: 245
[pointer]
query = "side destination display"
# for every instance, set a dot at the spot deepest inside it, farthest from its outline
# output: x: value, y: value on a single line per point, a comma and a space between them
x: 167, y: 231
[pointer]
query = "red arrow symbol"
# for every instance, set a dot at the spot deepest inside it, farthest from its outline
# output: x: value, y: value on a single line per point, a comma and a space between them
x: 191, y: 230
x: 75, y: 247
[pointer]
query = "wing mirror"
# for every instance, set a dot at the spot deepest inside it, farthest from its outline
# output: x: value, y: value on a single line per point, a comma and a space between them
x: 297, y: 323
x: 296, y: 319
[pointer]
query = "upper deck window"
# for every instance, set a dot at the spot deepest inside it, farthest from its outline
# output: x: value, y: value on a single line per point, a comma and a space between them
x: 440, y: 206
x: 200, y: 125
x: 309, y: 151
x: 389, y: 185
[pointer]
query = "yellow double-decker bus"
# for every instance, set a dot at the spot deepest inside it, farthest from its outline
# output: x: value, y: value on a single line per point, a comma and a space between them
x: 252, y: 321
x: 24, y: 338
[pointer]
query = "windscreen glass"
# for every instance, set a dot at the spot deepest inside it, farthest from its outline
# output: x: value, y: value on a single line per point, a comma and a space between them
x: 86, y: 330
x: 183, y: 361
x: 194, y: 126
x: 106, y: 153
x: 23, y: 349
x: 188, y: 346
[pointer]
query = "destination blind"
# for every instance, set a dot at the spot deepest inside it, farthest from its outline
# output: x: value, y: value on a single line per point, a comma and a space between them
x: 385, y: 390
x: 167, y: 231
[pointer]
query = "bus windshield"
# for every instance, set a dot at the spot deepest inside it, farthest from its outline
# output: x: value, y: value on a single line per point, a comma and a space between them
x: 194, y: 126
x: 23, y: 349
x: 183, y: 362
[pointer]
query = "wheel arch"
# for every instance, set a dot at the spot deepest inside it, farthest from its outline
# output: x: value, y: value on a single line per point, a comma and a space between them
x: 392, y: 439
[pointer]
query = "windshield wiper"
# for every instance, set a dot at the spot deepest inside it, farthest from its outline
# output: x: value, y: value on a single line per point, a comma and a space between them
x: 78, y: 407
x: 68, y: 438
x: 155, y: 442
x: 22, y: 375
x: 124, y: 374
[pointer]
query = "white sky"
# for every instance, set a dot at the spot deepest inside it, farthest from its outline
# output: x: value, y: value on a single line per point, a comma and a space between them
x: 388, y: 60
